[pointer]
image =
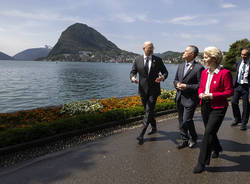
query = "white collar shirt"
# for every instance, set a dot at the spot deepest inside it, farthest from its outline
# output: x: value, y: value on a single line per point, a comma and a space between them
x: 149, y: 62
x: 245, y: 75
x: 209, y: 79
x: 187, y: 67
x: 190, y: 64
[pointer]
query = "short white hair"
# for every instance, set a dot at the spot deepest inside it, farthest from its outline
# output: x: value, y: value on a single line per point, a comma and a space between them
x: 148, y: 43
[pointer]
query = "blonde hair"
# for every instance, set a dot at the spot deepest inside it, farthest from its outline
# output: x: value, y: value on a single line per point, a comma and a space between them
x: 215, y: 53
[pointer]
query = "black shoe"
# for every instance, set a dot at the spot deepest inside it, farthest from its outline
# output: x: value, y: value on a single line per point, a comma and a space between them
x: 215, y: 154
x: 234, y: 124
x: 198, y: 169
x: 191, y: 143
x: 207, y: 161
x: 243, y: 127
x: 152, y: 131
x: 140, y: 139
x: 182, y: 145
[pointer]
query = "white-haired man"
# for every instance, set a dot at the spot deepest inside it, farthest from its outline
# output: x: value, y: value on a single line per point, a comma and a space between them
x: 152, y: 71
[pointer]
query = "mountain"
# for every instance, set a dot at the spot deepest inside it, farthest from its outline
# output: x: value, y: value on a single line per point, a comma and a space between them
x: 33, y: 54
x: 80, y: 42
x: 176, y: 57
x: 171, y: 56
x: 5, y: 56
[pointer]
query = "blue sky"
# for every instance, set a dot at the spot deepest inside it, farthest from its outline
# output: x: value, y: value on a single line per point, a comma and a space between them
x: 169, y: 24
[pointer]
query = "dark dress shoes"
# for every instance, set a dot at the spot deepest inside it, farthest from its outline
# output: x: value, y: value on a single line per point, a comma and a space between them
x: 243, y: 127
x: 152, y: 131
x: 207, y: 162
x: 198, y: 169
x: 191, y: 143
x: 215, y: 154
x: 140, y: 139
x: 182, y: 145
x: 234, y: 124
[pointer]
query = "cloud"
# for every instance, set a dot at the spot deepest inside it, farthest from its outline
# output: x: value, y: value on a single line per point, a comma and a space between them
x: 228, y: 5
x: 237, y: 21
x: 7, y: 42
x: 181, y: 20
x: 142, y: 17
x: 194, y: 36
x: 238, y: 26
x: 47, y: 16
x: 193, y: 21
x: 125, y: 18
x: 130, y: 19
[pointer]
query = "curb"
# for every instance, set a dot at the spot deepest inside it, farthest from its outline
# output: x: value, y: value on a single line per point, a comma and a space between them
x: 39, y: 142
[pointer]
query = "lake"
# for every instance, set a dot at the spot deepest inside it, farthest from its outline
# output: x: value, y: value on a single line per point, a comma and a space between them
x: 32, y: 84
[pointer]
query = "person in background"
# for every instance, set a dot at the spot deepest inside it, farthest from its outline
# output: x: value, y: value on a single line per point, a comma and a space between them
x: 152, y: 71
x: 187, y: 81
x: 215, y: 87
x: 242, y: 89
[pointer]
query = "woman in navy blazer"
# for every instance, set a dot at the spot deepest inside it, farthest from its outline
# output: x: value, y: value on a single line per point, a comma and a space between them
x: 215, y: 87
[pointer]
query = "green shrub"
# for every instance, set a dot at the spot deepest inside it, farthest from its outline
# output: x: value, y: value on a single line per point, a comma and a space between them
x: 167, y: 94
x: 85, y: 121
x: 86, y: 106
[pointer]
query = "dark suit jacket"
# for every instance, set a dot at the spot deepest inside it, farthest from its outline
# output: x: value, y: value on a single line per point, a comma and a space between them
x: 236, y: 77
x: 147, y: 84
x: 189, y: 96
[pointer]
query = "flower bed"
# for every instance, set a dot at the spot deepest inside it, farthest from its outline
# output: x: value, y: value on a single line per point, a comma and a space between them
x: 23, y: 126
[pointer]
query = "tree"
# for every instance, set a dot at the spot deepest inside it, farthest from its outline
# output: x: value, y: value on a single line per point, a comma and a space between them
x: 234, y: 53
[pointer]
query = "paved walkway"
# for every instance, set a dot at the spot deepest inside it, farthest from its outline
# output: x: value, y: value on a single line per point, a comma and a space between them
x: 118, y: 159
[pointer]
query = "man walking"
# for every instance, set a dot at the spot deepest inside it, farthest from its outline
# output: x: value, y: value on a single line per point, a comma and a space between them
x: 151, y: 72
x: 187, y: 81
x: 242, y: 89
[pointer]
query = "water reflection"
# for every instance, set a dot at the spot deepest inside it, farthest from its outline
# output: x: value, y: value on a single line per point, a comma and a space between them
x: 26, y: 85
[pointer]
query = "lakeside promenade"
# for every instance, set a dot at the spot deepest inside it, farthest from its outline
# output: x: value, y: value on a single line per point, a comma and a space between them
x: 118, y: 159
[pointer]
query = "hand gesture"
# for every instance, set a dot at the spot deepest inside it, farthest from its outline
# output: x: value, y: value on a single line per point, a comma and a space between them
x: 133, y: 79
x: 159, y: 79
x: 181, y: 86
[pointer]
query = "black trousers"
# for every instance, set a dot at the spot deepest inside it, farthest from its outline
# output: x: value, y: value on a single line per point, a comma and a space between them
x: 186, y: 123
x: 148, y: 102
x: 212, y: 119
x: 241, y: 91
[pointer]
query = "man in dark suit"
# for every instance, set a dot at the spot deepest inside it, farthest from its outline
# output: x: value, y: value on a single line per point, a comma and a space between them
x: 242, y: 89
x: 187, y: 81
x: 151, y: 72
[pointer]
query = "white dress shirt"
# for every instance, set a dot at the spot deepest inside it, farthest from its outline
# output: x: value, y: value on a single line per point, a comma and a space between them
x: 187, y: 67
x: 209, y: 79
x: 245, y: 76
x: 149, y: 62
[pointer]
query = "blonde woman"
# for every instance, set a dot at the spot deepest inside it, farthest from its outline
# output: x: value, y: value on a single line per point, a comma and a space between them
x: 215, y: 87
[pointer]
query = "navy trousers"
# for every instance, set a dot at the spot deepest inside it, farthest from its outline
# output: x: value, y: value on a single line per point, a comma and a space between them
x: 241, y: 91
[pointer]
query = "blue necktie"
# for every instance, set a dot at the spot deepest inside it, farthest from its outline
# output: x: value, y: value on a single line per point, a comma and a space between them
x: 186, y: 68
x: 242, y: 72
